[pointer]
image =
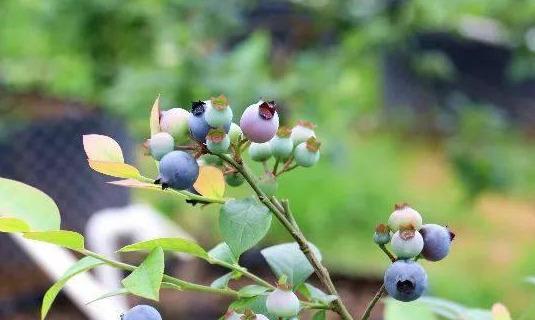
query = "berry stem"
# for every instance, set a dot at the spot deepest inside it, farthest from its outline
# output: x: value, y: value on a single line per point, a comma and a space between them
x: 373, y: 302
x: 295, y: 232
x: 388, y: 253
x: 276, y: 166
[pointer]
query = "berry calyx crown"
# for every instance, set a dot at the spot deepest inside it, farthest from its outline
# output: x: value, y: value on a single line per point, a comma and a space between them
x: 306, y: 124
x: 382, y: 228
x: 220, y: 103
x: 313, y: 144
x: 407, y: 234
x: 216, y: 135
x: 399, y: 206
x: 197, y: 108
x: 284, y: 132
x: 267, y: 109
x: 282, y: 284
x: 248, y: 315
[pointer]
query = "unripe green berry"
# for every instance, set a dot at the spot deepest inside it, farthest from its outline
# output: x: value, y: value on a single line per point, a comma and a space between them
x: 281, y: 145
x: 307, y: 153
x: 234, y: 179
x: 260, y: 151
x: 407, y: 244
x: 217, y: 141
x: 175, y: 122
x: 404, y: 217
x: 218, y: 113
x: 381, y: 235
x: 282, y: 303
x: 235, y: 133
x: 302, y: 131
x: 160, y: 144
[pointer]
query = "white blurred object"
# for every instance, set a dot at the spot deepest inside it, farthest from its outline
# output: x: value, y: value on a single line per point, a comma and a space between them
x: 106, y: 228
x: 484, y: 29
x: 81, y: 288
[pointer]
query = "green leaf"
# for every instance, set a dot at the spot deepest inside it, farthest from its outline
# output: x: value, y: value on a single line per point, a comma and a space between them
x: 287, y: 259
x: 8, y: 224
x: 26, y: 203
x: 316, y: 294
x: 155, y: 117
x: 256, y: 304
x: 169, y: 244
x: 243, y: 223
x: 222, y: 282
x: 252, y: 290
x: 62, y: 238
x: 395, y: 310
x: 145, y: 281
x: 320, y: 315
x: 222, y: 252
x: 118, y: 292
x: 115, y: 169
x: 82, y: 265
x: 102, y: 148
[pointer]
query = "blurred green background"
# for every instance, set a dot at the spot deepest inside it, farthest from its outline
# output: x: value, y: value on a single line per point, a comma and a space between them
x: 425, y: 102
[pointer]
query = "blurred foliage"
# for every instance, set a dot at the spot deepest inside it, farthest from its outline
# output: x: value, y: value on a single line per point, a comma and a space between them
x: 121, y: 54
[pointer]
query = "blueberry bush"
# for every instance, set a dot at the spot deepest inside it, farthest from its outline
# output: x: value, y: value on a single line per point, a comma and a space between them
x: 198, y: 153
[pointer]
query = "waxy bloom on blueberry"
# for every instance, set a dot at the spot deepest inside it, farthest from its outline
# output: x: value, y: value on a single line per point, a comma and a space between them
x: 198, y: 126
x: 160, y: 144
x: 437, y: 241
x: 404, y: 217
x: 281, y: 145
x: 405, y: 280
x: 382, y: 234
x: 260, y: 121
x: 260, y: 151
x: 141, y: 312
x: 283, y: 303
x: 302, y: 131
x: 175, y: 122
x: 232, y: 315
x: 407, y: 243
x: 307, y: 153
x: 178, y: 170
x: 235, y: 133
x: 217, y: 141
x: 218, y: 113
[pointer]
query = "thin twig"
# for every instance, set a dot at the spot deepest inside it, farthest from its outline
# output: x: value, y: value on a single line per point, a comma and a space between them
x: 373, y: 302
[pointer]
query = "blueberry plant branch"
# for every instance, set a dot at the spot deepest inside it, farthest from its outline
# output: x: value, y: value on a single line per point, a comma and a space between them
x: 295, y: 232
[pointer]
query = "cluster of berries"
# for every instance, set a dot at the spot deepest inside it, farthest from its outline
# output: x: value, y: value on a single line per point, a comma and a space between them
x: 210, y: 126
x: 405, y: 279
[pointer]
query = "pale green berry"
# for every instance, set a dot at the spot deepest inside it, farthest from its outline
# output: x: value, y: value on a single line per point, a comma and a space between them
x: 260, y: 151
x: 160, y: 144
x: 307, y: 153
x: 234, y: 179
x: 218, y: 113
x: 283, y: 303
x: 282, y: 145
x: 217, y: 141
x: 404, y: 217
x: 235, y: 133
x: 302, y: 131
x: 407, y: 244
x: 382, y: 234
x: 175, y: 122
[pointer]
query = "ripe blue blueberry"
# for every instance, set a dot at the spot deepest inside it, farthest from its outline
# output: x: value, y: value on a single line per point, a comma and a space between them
x: 281, y: 145
x: 218, y: 113
x: 404, y: 217
x: 282, y: 303
x: 235, y: 133
x: 198, y: 126
x: 307, y: 153
x: 178, y: 170
x: 141, y: 312
x: 405, y: 280
x: 175, y: 122
x: 260, y: 121
x: 407, y: 244
x: 260, y: 151
x: 437, y: 241
x: 302, y: 131
x: 234, y: 179
x: 160, y: 144
x: 217, y: 141
x: 382, y: 234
